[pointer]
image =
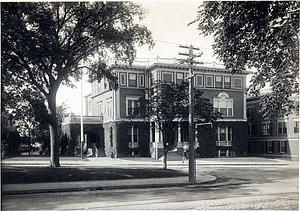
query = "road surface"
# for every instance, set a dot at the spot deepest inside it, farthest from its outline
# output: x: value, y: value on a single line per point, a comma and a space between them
x: 237, y: 188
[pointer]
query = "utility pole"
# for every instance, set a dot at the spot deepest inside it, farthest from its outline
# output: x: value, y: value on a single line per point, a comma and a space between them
x: 81, y: 121
x: 190, y: 61
x: 81, y: 117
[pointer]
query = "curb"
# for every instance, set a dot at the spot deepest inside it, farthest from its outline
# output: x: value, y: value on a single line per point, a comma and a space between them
x: 154, y: 184
x: 156, y: 165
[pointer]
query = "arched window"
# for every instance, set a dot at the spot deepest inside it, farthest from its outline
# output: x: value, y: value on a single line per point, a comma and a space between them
x: 224, y: 104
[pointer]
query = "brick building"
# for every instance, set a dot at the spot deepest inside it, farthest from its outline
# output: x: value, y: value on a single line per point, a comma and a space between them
x: 276, y: 137
x: 123, y: 136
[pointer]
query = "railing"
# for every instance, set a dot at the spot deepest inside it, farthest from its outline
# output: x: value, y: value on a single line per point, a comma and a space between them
x: 151, y: 61
x: 86, y: 119
x: 133, y: 145
x: 224, y: 143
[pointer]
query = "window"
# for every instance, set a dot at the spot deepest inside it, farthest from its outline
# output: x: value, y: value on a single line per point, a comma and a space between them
x: 223, y: 104
x: 142, y: 80
x: 132, y: 80
x: 251, y: 128
x: 296, y: 126
x: 227, y: 82
x: 281, y: 127
x: 270, y: 146
x: 123, y: 79
x: 94, y: 85
x: 250, y: 113
x: 199, y: 80
x: 167, y: 77
x: 283, y: 146
x: 133, y: 137
x: 100, y: 109
x: 222, y: 153
x: 131, y: 104
x: 209, y: 81
x: 238, y: 83
x: 266, y: 128
x: 219, y: 81
x: 98, y: 87
x: 179, y: 78
x: 109, y: 107
x: 150, y: 79
x: 224, y: 135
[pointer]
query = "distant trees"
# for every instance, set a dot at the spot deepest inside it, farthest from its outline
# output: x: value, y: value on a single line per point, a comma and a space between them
x: 258, y: 34
x: 30, y: 115
x: 167, y: 105
x: 44, y: 44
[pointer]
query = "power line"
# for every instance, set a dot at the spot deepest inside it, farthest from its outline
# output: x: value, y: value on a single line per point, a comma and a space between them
x: 173, y: 43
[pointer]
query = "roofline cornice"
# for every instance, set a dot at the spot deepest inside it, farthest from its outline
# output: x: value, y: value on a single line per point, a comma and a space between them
x: 199, y: 68
x: 176, y: 66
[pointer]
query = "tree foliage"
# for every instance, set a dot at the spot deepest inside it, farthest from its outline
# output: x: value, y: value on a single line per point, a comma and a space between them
x: 167, y: 105
x: 263, y: 35
x: 45, y: 44
x: 30, y: 115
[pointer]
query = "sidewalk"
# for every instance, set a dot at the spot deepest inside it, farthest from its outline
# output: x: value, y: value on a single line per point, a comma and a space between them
x: 12, y: 189
x: 141, y: 161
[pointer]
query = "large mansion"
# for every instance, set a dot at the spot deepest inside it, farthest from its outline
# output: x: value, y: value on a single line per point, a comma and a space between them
x: 108, y: 126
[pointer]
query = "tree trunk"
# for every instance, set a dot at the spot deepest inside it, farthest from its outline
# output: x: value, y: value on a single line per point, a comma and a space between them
x: 165, y: 160
x: 54, y: 142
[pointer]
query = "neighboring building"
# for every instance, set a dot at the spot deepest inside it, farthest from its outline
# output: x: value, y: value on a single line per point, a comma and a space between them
x: 10, y: 138
x: 124, y: 136
x: 277, y: 137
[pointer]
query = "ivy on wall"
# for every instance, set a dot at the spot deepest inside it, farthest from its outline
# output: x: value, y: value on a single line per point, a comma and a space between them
x: 121, y: 133
x: 239, y: 138
x: 110, y: 141
x: 207, y: 137
x: 122, y: 136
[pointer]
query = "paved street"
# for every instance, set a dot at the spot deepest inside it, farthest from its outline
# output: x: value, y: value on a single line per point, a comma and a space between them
x: 237, y: 188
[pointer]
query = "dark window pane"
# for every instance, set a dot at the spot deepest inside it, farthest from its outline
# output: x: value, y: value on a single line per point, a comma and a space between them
x: 132, y: 80
x: 167, y: 77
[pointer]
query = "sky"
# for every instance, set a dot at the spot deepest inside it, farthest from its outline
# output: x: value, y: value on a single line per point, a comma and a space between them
x: 168, y: 22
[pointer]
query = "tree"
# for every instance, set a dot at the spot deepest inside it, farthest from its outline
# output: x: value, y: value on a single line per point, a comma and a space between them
x: 167, y: 106
x: 30, y: 114
x: 45, y: 44
x: 263, y: 35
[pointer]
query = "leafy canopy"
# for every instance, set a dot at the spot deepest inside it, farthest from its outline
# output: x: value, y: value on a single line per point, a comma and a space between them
x: 168, y: 103
x: 45, y: 43
x: 258, y: 34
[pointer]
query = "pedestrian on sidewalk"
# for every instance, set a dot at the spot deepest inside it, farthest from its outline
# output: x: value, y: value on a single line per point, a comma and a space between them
x: 184, y: 155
